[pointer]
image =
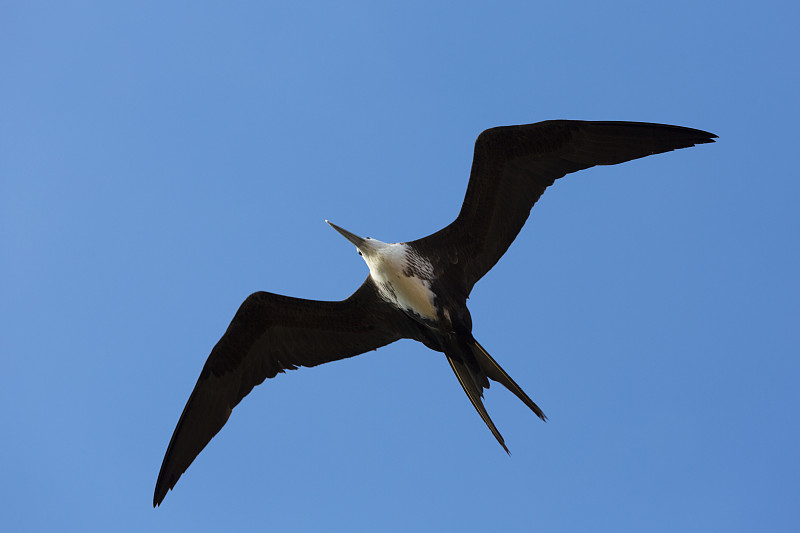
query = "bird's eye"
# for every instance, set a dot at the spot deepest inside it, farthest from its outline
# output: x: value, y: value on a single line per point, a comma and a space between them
x: 359, y: 252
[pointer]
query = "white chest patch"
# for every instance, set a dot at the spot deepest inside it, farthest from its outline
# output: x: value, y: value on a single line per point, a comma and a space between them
x: 403, y: 279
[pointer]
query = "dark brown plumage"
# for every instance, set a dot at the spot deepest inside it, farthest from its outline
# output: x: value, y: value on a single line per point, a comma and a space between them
x: 512, y: 166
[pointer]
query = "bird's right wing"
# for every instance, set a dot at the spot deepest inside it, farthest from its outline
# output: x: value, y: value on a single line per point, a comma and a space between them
x: 270, y: 334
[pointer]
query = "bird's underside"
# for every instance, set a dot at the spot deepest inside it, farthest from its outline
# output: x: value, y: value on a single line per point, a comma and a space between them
x: 415, y: 290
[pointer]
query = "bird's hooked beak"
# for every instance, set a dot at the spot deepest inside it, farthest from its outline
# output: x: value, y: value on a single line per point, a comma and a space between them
x: 352, y: 237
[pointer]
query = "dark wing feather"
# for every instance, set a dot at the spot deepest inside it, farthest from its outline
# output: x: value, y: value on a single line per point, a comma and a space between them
x: 511, y: 168
x: 270, y: 334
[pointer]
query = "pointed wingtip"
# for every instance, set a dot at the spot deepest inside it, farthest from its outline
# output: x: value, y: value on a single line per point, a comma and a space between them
x: 164, y: 484
x: 159, y: 496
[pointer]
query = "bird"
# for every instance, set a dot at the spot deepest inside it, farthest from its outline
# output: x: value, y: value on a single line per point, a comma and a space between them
x: 414, y: 290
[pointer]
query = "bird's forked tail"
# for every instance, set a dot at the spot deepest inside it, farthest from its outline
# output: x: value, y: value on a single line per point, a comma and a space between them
x: 472, y: 366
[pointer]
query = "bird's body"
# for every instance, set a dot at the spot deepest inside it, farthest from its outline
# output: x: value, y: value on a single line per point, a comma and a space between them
x: 403, y: 278
x: 416, y: 290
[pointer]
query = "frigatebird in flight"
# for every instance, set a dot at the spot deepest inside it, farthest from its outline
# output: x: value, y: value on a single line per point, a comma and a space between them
x: 414, y: 290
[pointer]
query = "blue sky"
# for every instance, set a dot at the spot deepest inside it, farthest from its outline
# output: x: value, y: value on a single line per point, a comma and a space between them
x: 161, y: 161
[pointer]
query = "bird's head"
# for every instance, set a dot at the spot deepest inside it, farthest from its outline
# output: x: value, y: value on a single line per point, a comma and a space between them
x: 367, y: 248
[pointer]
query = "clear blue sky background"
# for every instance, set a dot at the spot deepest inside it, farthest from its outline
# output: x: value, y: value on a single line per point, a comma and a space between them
x: 159, y: 161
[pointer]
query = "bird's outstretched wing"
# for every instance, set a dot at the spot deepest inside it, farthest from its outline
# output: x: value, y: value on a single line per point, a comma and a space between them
x: 511, y: 168
x: 270, y: 334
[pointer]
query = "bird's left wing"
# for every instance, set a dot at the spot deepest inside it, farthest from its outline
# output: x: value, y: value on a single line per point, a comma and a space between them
x: 511, y: 168
x: 270, y: 334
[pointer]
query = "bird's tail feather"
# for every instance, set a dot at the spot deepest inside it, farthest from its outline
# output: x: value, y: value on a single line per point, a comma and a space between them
x: 496, y: 373
x: 474, y: 389
x: 473, y: 379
